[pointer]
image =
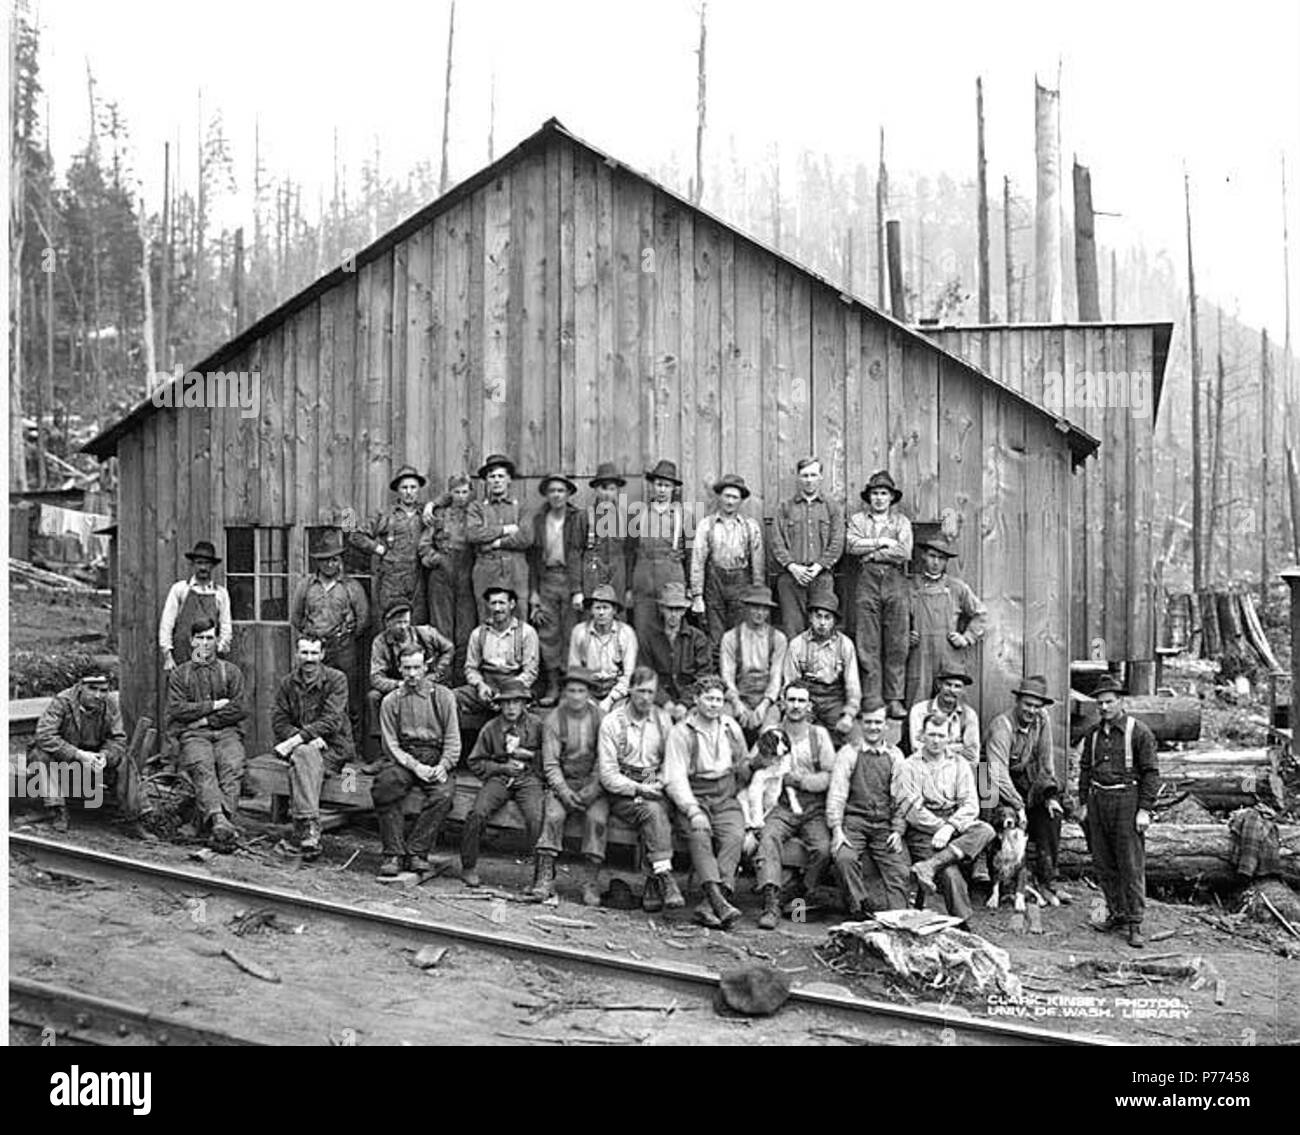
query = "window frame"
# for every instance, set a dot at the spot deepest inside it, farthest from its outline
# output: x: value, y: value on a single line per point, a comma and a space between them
x: 262, y: 534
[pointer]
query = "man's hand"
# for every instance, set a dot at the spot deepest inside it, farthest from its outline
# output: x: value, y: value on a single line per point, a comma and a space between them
x: 1081, y: 816
x: 220, y: 703
x: 650, y: 792
x: 1054, y: 808
x: 913, y: 638
x: 845, y: 723
x: 700, y: 823
x: 799, y: 574
x: 381, y: 550
x: 894, y: 841
x: 424, y: 772
x: 958, y: 640
x: 287, y: 746
x: 577, y: 601
x: 571, y: 800
x: 697, y: 604
x: 838, y: 840
x: 169, y: 662
x: 677, y: 710
x: 1022, y: 818
x: 515, y: 767
x: 439, y: 773
x: 486, y: 694
x: 1143, y: 819
x: 792, y: 779
x: 509, y: 529
x: 940, y: 838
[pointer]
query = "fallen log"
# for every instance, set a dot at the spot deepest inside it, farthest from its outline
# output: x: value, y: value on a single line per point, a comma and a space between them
x: 1169, y: 719
x: 1224, y: 778
x: 1184, y: 853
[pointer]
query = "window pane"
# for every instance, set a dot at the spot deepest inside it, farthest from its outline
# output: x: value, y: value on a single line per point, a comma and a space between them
x: 274, y: 550
x: 239, y: 551
x: 241, y: 597
x: 275, y: 599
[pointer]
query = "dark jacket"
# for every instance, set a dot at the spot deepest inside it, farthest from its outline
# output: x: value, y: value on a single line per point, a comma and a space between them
x: 575, y: 546
x: 385, y: 657
x: 66, y: 725
x: 489, y: 758
x: 318, y: 711
x: 191, y: 690
x: 679, y: 664
x: 1105, y: 759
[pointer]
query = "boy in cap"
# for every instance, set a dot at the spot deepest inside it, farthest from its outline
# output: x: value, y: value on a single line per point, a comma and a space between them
x: 500, y: 647
x: 386, y: 653
x: 506, y: 758
x: 679, y: 653
x: 605, y: 560
x: 947, y: 619
x: 656, y: 548
x: 726, y: 558
x: 495, y: 528
x: 448, y: 557
x: 555, y: 563
x: 191, y: 599
x: 394, y: 538
x: 823, y: 660
x: 881, y: 537
x: 752, y: 661
x: 570, y: 739
x: 606, y: 647
x: 807, y: 543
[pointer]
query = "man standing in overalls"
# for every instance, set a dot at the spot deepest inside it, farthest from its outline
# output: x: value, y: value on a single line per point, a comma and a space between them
x: 495, y: 528
x: 947, y: 620
x: 190, y: 600
x: 657, y: 549
x: 752, y: 662
x: 605, y: 561
x: 726, y: 559
x: 1118, y: 780
x: 555, y: 568
x: 823, y: 659
x: 394, y: 537
x: 881, y: 537
x: 446, y: 554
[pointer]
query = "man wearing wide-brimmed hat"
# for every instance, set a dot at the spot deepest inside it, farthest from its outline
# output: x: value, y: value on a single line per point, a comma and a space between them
x: 1022, y: 772
x: 190, y: 599
x: 752, y: 661
x: 679, y: 653
x: 331, y: 606
x: 726, y: 558
x: 807, y: 543
x: 393, y: 537
x: 500, y: 535
x: 448, y: 558
x: 656, y: 549
x: 555, y: 578
x: 950, y: 701
x: 605, y: 647
x: 501, y: 647
x: 947, y: 619
x: 881, y: 537
x: 824, y: 660
x: 605, y: 559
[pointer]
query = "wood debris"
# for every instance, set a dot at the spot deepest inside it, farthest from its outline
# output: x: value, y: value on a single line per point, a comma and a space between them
x: 250, y: 967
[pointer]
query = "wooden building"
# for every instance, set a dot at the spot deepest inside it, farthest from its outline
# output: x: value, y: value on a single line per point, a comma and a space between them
x: 561, y: 308
x: 1106, y: 378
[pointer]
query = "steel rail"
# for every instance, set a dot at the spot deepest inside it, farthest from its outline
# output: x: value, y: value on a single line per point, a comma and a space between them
x: 699, y: 979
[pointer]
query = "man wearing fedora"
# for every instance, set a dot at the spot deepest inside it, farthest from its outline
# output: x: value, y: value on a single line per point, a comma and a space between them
x: 656, y: 548
x: 555, y: 576
x: 501, y: 647
x: 679, y: 653
x: 570, y: 765
x: 386, y: 659
x: 726, y: 558
x: 191, y: 599
x: 605, y: 560
x: 807, y: 543
x: 949, y: 700
x: 496, y: 529
x: 1022, y: 771
x: 947, y: 619
x: 394, y: 539
x: 448, y: 558
x: 823, y: 660
x: 507, y: 758
x: 752, y: 661
x: 881, y: 537
x: 1118, y: 780
x: 605, y: 647
x: 332, y: 607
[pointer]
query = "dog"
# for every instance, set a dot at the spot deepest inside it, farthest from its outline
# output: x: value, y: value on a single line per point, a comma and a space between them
x: 1007, y: 857
x: 770, y: 762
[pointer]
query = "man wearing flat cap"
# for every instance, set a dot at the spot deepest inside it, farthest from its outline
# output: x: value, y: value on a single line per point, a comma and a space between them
x: 190, y: 599
x: 824, y: 661
x: 393, y: 538
x: 947, y: 619
x: 605, y: 647
x: 386, y: 654
x: 678, y: 652
x: 949, y: 701
x: 555, y: 568
x: 498, y: 532
x: 807, y: 543
x: 500, y: 647
x: 605, y: 560
x: 726, y: 558
x: 448, y: 558
x: 656, y: 542
x: 752, y: 661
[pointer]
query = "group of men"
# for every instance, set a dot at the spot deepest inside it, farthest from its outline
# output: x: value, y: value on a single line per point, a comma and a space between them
x: 732, y: 732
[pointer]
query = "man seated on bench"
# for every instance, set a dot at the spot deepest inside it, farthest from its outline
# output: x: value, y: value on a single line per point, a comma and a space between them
x: 79, y: 740
x: 500, y: 649
x: 385, y: 671
x: 421, y: 732
x: 310, y: 723
x: 205, y: 717
x: 507, y: 758
x: 606, y: 646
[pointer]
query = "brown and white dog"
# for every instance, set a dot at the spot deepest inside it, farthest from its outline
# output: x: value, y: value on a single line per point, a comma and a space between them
x: 1007, y: 857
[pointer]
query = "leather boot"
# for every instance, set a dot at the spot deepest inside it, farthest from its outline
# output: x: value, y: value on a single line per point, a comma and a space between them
x: 223, y: 835
x: 543, y: 877
x: 390, y: 867
x: 309, y: 842
x: 771, y: 915
x: 925, y: 871
x: 725, y: 913
x: 591, y: 884
x: 672, y: 894
x: 652, y: 900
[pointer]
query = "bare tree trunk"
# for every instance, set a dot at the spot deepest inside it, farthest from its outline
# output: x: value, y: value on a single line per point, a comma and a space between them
x: 982, y: 210
x: 776, y: 200
x: 239, y: 280
x: 1215, y: 432
x: 446, y: 100
x: 1292, y: 415
x: 1114, y: 287
x: 1265, y: 430
x: 1008, y: 251
x: 700, y: 105
x: 1047, y: 207
x: 45, y: 387
x: 17, y: 238
x: 1085, y: 247
x: 492, y: 118
x: 882, y: 200
x: 898, y: 299
x: 1198, y: 567
x: 146, y: 286
x: 165, y: 284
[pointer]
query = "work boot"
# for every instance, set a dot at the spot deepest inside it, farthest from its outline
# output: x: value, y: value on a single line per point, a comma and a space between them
x: 705, y: 917
x: 1112, y: 923
x: 223, y: 835
x: 1135, y: 938
x: 672, y: 895
x: 59, y: 818
x: 652, y: 899
x: 925, y: 870
x: 771, y: 907
x: 591, y: 884
x: 469, y: 876
x: 725, y: 913
x: 390, y: 867
x: 896, y: 711
x: 544, y: 878
x: 980, y: 870
x: 309, y: 843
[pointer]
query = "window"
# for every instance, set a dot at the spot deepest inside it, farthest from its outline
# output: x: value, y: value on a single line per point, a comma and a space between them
x: 257, y: 574
x: 355, y: 562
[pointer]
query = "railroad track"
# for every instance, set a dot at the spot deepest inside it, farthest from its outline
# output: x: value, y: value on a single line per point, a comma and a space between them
x: 694, y: 980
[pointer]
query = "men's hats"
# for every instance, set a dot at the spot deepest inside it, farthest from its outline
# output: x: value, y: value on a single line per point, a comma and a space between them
x: 331, y: 545
x: 882, y: 480
x: 673, y: 595
x: 203, y: 550
x: 496, y: 461
x: 939, y: 543
x: 95, y: 676
x: 947, y: 673
x: 825, y: 603
x: 664, y: 471
x: 604, y: 594
x: 512, y: 689
x: 404, y: 472
x: 754, y: 990
x: 1034, y: 687
x: 757, y: 596
x: 1108, y: 684
x: 397, y: 607
x: 556, y: 478
x: 606, y: 474
x: 500, y: 589
x: 731, y: 481
x: 579, y: 674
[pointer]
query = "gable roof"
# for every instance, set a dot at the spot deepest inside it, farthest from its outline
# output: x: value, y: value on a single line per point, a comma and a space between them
x: 103, y: 445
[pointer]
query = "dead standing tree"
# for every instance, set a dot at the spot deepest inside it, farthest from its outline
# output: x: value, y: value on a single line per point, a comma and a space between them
x: 700, y: 104
x: 446, y: 99
x: 982, y: 209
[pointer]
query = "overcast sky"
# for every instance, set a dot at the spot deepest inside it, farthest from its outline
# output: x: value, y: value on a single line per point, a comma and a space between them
x: 1146, y: 88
